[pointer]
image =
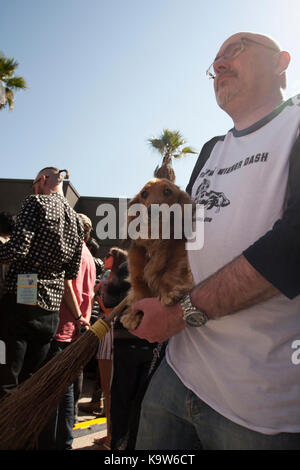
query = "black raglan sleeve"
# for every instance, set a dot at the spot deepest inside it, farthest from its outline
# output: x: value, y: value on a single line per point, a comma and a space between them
x: 202, y: 159
x: 276, y: 255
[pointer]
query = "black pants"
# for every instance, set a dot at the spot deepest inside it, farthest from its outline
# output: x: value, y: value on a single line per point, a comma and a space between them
x: 26, y: 331
x: 131, y: 363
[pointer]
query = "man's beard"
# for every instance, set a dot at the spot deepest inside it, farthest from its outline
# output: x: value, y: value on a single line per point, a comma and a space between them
x: 225, y: 95
x: 226, y: 92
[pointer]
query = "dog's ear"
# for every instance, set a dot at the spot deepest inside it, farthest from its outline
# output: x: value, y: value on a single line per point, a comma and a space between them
x: 184, y: 198
x: 134, y: 200
x: 139, y: 198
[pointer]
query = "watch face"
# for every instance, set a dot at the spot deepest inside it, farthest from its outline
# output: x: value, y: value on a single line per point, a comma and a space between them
x: 195, y: 319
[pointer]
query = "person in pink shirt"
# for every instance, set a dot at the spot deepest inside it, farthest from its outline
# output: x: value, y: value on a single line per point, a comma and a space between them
x: 75, y: 313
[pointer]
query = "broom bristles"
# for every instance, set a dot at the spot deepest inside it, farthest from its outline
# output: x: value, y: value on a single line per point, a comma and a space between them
x: 25, y: 413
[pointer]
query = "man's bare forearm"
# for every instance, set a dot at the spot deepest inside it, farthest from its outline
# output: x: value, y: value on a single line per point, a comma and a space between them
x: 234, y: 287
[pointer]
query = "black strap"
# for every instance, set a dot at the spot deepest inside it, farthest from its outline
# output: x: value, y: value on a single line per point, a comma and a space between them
x: 293, y: 191
x: 202, y: 159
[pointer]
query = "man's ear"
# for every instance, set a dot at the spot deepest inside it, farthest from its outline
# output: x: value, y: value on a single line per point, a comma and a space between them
x: 43, y: 179
x: 282, y: 62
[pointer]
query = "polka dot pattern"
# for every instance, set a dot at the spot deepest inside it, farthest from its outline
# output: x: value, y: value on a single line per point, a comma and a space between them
x: 47, y: 240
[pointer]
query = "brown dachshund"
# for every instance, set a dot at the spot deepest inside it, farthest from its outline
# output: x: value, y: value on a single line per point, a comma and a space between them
x: 158, y: 267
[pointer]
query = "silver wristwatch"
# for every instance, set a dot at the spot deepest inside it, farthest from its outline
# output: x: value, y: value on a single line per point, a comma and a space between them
x: 191, y: 315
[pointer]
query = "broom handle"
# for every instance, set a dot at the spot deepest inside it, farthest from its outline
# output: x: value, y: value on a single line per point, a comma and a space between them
x: 102, y: 326
x: 116, y: 311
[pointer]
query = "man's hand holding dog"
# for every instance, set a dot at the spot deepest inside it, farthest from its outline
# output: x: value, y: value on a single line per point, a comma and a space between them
x: 159, y: 322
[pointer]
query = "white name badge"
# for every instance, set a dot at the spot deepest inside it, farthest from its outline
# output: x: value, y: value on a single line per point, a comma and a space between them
x: 27, y: 289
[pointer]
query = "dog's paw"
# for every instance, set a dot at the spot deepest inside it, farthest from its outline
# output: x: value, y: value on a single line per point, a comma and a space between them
x: 171, y: 298
x: 167, y: 299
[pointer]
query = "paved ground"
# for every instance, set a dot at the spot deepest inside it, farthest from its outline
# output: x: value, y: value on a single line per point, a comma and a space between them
x: 88, y: 427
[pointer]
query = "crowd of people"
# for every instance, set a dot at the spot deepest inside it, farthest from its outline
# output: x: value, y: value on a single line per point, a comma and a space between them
x: 227, y: 379
x: 73, y: 278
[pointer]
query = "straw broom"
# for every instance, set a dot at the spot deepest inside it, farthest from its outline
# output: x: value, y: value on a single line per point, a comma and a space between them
x: 25, y: 412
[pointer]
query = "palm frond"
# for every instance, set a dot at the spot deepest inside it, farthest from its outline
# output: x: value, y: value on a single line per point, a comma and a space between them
x: 16, y: 83
x: 9, y: 81
x: 157, y: 144
x: 186, y: 150
x: 172, y: 139
x: 7, y: 66
x: 169, y: 144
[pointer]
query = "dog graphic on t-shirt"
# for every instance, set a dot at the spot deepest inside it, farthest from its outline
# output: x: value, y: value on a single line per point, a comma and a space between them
x: 210, y: 199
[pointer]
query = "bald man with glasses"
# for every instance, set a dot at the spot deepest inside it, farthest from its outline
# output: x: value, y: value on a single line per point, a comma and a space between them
x: 230, y: 378
x: 44, y: 254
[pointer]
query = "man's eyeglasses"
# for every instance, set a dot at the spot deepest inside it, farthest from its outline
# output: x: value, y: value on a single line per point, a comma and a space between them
x: 232, y: 51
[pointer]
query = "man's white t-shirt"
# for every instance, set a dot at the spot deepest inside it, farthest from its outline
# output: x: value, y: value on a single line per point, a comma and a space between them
x: 242, y: 364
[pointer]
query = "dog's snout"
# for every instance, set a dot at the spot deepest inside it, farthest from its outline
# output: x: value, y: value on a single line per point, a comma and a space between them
x: 153, y: 210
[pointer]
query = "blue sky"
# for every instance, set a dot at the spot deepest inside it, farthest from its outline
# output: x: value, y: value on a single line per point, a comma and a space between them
x: 105, y: 75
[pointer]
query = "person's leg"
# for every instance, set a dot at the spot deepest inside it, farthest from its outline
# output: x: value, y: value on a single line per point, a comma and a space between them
x: 48, y: 437
x: 123, y: 389
x: 14, y: 334
x: 10, y: 371
x: 35, y: 357
x: 65, y: 421
x: 58, y: 434
x: 131, y: 367
x: 94, y: 405
x: 165, y: 422
x: 77, y: 391
x: 37, y: 326
x: 64, y: 435
x: 146, y: 362
x: 219, y: 433
x: 105, y: 371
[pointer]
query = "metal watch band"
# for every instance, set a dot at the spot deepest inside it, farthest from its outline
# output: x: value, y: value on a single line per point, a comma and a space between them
x: 191, y: 315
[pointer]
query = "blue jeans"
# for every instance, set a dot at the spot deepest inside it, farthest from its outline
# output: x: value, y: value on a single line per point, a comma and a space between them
x: 174, y: 418
x: 58, y: 434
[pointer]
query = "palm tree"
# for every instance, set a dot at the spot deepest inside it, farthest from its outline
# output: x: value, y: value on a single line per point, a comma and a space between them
x: 9, y: 83
x: 169, y: 144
